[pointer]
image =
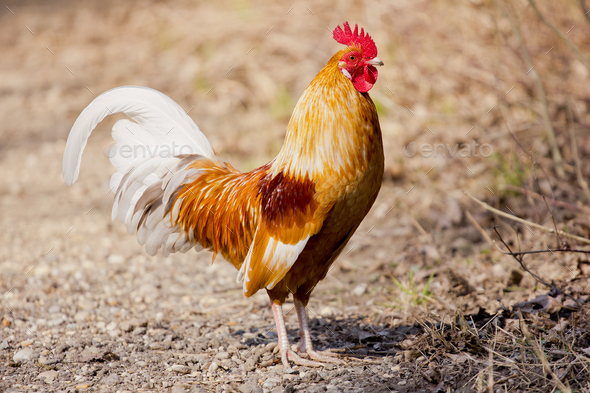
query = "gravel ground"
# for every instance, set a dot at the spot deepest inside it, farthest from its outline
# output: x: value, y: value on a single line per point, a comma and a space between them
x: 94, y: 313
x: 85, y: 309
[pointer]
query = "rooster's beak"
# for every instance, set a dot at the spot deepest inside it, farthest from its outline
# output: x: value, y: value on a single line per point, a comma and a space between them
x: 375, y: 62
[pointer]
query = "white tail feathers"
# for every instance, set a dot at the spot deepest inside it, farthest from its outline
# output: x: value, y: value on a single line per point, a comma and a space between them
x: 160, y: 123
x: 151, y: 156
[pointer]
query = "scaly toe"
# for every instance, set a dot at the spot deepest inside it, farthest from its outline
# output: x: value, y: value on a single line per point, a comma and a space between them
x: 325, y: 356
x: 298, y: 360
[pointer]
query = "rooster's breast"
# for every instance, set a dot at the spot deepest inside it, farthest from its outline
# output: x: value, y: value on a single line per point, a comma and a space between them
x: 322, y: 249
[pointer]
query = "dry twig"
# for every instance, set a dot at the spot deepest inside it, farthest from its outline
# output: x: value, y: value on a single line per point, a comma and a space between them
x: 540, y: 197
x: 526, y: 222
x: 542, y: 96
x: 583, y: 58
x: 578, y: 164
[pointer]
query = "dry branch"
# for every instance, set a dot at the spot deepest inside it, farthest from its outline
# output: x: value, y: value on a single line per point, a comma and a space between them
x: 526, y: 222
x: 479, y: 229
x: 583, y: 58
x: 578, y: 164
x: 540, y: 197
x: 542, y: 96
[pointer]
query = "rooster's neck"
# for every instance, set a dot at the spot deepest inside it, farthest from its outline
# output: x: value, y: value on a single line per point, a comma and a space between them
x: 333, y: 129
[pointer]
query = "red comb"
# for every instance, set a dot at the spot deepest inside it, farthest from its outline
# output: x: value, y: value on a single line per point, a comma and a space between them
x: 348, y: 38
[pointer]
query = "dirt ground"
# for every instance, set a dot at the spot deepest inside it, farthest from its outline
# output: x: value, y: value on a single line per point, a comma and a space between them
x: 423, y: 298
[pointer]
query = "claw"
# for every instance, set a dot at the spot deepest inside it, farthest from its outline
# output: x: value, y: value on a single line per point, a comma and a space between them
x: 325, y: 356
x: 298, y: 360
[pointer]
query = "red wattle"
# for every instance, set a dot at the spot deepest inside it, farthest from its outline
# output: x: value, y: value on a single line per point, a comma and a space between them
x: 365, y: 81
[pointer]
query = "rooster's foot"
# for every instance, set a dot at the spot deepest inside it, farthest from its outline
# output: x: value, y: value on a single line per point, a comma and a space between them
x: 290, y: 355
x: 326, y: 356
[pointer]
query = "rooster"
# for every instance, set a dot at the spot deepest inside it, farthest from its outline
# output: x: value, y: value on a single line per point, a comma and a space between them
x: 281, y: 225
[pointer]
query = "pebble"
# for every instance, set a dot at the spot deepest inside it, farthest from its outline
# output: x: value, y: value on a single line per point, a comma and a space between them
x: 25, y: 354
x: 213, y: 367
x: 271, y: 382
x: 25, y: 343
x: 115, y: 259
x: 327, y: 311
x: 48, y: 376
x: 222, y: 355
x: 178, y: 389
x: 359, y: 290
x: 82, y: 316
x: 47, y: 361
x: 179, y: 368
x: 112, y: 379
x: 141, y: 363
x: 4, y: 344
x: 250, y: 387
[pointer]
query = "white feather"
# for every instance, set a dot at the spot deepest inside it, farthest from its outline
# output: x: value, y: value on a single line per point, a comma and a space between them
x: 283, y: 257
x: 158, y: 115
x: 145, y: 154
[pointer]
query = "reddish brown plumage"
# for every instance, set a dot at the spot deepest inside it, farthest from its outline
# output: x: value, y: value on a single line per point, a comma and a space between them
x: 300, y: 209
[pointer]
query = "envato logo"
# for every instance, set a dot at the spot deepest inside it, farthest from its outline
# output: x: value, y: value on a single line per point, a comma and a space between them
x: 143, y: 151
x: 463, y: 150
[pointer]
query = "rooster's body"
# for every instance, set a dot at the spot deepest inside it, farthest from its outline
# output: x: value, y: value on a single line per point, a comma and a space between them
x: 281, y: 225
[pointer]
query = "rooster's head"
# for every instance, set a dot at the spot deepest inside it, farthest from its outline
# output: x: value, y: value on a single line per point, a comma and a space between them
x: 359, y: 61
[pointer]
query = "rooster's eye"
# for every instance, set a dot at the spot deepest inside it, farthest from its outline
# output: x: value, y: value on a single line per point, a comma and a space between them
x: 351, y: 58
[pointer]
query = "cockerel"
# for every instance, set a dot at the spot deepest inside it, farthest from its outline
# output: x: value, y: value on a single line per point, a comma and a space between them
x: 281, y: 225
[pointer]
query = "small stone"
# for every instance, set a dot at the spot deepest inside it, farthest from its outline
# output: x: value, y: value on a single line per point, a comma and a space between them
x: 139, y: 331
x: 5, y: 322
x: 213, y: 367
x: 127, y: 326
x: 161, y: 346
x: 178, y: 389
x: 222, y: 355
x: 4, y: 344
x: 332, y: 389
x: 48, y: 376
x: 115, y: 259
x: 83, y: 386
x: 112, y: 379
x: 250, y: 387
x: 82, y: 316
x: 47, y: 361
x: 179, y: 368
x: 271, y: 382
x: 327, y: 311
x: 24, y: 354
x: 25, y: 343
x: 141, y: 363
x: 290, y: 370
x: 250, y: 365
x: 359, y: 290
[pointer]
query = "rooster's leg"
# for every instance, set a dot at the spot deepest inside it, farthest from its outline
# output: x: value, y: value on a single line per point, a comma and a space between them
x: 305, y: 345
x: 286, y: 352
